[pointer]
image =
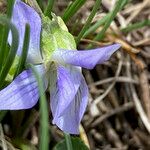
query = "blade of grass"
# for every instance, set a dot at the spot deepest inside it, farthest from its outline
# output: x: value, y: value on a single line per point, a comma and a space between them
x: 24, y: 50
x: 10, y: 8
x: 102, y: 21
x: 40, y: 3
x: 2, y: 114
x: 72, y: 9
x: 3, y: 51
x: 74, y: 26
x: 68, y: 141
x: 23, y: 129
x: 89, y: 20
x: 1, y: 33
x: 110, y: 19
x: 136, y: 25
x: 13, y: 49
x: 96, y: 25
x: 44, y: 124
x: 49, y: 8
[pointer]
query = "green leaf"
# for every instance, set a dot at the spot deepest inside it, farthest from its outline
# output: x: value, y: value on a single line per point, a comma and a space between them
x: 77, y: 144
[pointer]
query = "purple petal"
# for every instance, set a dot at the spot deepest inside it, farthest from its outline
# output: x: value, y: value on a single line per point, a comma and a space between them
x: 64, y: 85
x: 23, y: 92
x: 70, y: 119
x: 85, y: 58
x: 23, y: 14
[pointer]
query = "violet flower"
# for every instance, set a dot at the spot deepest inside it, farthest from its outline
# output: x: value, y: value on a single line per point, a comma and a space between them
x: 59, y: 68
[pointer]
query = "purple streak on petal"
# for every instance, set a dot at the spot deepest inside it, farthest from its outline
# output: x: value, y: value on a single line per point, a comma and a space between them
x: 23, y: 14
x: 85, y: 58
x: 22, y: 93
x: 70, y: 119
x: 64, y: 85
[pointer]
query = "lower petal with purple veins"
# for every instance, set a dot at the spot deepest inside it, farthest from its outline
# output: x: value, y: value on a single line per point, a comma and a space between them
x: 64, y: 84
x: 70, y: 119
x: 23, y: 92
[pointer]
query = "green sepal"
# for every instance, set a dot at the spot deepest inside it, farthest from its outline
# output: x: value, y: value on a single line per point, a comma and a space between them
x: 55, y: 36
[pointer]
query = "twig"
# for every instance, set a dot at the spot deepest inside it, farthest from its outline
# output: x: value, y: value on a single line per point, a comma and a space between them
x: 83, y: 136
x: 136, y: 100
x: 119, y: 79
x: 142, y: 42
x: 4, y: 145
x: 135, y: 13
x: 145, y: 92
x: 101, y: 97
x: 118, y: 110
x: 112, y: 135
x: 146, y: 54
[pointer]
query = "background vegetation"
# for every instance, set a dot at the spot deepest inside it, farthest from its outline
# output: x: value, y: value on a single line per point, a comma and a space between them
x: 118, y: 114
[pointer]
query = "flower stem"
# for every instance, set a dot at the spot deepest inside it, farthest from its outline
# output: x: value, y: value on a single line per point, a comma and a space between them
x: 68, y: 141
x: 44, y: 123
